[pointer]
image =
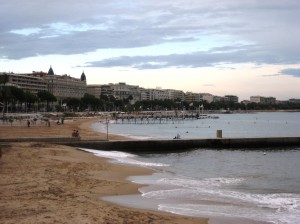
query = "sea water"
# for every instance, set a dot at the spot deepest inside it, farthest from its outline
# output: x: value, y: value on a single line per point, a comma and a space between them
x: 264, y: 124
x: 249, y: 185
x: 240, y: 184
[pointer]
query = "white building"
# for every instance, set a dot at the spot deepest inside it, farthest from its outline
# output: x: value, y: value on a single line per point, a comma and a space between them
x: 231, y: 98
x: 64, y: 86
x: 158, y: 94
x: 61, y: 86
x: 144, y: 94
x: 94, y: 90
x: 123, y: 91
x: 175, y: 94
x: 263, y: 100
x: 27, y: 82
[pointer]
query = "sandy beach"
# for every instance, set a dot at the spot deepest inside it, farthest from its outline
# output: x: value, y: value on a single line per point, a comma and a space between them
x: 63, y: 130
x: 47, y: 183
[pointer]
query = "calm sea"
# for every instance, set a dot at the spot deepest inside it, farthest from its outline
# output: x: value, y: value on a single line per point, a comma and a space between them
x: 248, y: 185
x: 276, y: 124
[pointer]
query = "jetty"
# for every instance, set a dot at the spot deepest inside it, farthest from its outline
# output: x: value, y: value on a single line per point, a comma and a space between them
x: 159, y: 117
x: 173, y: 145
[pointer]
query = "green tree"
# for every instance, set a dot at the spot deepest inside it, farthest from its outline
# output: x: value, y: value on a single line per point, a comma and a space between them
x: 18, y: 95
x: 4, y: 92
x: 90, y: 102
x: 30, y: 99
x: 73, y: 103
x: 46, y: 96
x: 108, y: 102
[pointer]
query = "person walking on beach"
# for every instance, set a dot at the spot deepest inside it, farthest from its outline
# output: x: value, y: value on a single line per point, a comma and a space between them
x: 28, y: 123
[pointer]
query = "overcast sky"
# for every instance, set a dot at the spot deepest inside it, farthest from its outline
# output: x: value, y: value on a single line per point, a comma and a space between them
x: 239, y: 47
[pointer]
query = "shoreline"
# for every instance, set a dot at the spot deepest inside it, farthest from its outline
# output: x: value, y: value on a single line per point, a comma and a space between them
x: 77, y: 178
x: 65, y: 185
x: 49, y: 183
x: 138, y: 201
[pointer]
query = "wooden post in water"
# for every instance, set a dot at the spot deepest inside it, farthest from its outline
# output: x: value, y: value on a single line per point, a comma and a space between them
x: 219, y: 133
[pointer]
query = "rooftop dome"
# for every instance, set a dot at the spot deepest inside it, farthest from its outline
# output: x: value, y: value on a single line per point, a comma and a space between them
x: 50, y: 72
x: 83, y: 78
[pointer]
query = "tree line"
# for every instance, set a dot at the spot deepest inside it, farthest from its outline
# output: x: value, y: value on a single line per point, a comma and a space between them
x: 13, y: 99
x: 110, y: 103
x: 16, y: 100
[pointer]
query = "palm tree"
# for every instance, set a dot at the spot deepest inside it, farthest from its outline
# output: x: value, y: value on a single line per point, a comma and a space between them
x: 18, y: 95
x: 4, y: 91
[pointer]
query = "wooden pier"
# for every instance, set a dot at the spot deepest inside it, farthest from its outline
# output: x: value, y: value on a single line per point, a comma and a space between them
x: 160, y: 117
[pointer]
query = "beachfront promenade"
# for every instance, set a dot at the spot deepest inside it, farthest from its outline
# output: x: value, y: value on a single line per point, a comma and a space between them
x: 168, y: 145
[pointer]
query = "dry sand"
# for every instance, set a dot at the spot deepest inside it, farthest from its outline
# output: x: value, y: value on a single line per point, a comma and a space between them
x: 47, y: 183
x: 65, y: 130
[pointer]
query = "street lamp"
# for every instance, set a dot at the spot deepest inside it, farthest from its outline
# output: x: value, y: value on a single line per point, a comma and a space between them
x: 107, y: 122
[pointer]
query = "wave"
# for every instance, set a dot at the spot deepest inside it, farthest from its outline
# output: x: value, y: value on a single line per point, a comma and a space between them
x: 123, y: 157
x: 211, y: 196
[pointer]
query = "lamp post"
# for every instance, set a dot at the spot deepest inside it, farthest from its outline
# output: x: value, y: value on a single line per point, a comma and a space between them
x: 107, y: 122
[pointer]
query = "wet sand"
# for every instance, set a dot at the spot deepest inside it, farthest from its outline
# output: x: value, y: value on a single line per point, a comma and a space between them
x: 47, y: 183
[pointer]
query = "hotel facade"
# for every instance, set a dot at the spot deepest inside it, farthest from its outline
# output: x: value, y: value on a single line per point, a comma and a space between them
x: 61, y: 86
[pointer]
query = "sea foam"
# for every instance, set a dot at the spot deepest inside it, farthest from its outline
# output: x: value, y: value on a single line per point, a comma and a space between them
x: 123, y: 157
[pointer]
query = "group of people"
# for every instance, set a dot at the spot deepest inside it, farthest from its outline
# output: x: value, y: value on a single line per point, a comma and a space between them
x: 75, y: 133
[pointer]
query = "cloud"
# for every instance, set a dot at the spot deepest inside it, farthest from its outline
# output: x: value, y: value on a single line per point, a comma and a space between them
x: 215, y: 57
x: 209, y: 85
x: 268, y: 30
x: 272, y: 75
x: 295, y: 72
